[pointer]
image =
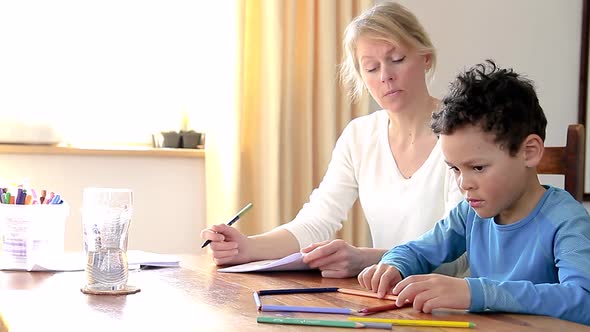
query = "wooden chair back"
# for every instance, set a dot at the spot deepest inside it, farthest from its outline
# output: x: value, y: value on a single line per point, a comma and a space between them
x: 568, y: 160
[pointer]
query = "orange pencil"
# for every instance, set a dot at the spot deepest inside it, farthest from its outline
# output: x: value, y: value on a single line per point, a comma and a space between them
x: 365, y: 293
x: 372, y: 310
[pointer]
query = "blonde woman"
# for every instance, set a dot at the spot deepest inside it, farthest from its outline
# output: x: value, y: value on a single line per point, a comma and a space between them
x: 390, y: 159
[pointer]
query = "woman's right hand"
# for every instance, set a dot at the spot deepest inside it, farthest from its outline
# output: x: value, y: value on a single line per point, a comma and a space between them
x: 228, y: 245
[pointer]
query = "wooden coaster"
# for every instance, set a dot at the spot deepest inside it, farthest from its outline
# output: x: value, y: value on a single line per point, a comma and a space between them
x: 128, y: 290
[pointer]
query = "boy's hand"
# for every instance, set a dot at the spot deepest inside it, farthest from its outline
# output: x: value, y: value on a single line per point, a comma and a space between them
x: 433, y: 291
x: 379, y: 278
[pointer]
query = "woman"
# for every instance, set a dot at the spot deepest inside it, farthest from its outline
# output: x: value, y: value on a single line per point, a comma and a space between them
x: 389, y: 159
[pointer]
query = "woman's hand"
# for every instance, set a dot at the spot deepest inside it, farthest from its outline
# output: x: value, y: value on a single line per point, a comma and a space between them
x: 228, y: 245
x: 335, y: 258
x: 433, y: 291
x: 380, y: 278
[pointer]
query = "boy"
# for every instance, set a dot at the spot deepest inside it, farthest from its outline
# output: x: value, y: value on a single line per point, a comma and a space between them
x: 528, y: 245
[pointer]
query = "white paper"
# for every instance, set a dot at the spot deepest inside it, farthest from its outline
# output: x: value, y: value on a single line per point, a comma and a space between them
x: 146, y: 258
x: 293, y: 262
x: 76, y: 261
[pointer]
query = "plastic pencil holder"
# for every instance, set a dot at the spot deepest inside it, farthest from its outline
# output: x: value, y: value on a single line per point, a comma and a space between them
x: 30, y: 233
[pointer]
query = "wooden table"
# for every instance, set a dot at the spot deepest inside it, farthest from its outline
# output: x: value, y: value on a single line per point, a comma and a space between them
x: 197, y: 298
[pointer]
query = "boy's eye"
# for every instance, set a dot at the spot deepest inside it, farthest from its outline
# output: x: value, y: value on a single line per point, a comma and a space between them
x: 478, y: 168
x: 454, y: 169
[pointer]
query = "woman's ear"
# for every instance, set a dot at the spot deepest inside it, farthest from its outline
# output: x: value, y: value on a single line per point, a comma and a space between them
x: 533, y: 150
x: 427, y: 61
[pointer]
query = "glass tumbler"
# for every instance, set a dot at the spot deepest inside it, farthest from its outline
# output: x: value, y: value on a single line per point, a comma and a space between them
x: 106, y: 215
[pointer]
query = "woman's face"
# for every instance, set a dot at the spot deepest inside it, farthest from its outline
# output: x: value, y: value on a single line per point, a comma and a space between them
x: 393, y: 74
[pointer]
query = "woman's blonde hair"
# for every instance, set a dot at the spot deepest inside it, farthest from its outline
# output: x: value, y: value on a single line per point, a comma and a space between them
x: 388, y: 21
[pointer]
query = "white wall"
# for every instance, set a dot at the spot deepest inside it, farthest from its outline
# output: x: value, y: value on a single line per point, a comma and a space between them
x: 540, y: 38
x: 169, y: 194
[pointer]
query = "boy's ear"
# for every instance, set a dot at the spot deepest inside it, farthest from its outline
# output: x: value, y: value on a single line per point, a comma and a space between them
x: 533, y: 150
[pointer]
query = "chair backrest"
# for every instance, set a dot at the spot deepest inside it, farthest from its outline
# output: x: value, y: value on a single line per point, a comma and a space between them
x: 568, y: 160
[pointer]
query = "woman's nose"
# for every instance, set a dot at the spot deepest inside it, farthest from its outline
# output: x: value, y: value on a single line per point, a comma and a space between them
x: 386, y: 76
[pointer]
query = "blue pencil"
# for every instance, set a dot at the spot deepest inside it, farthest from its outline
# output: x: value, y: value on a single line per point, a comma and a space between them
x: 297, y: 291
x: 323, y: 310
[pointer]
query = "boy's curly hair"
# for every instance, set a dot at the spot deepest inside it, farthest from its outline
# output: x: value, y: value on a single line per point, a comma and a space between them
x: 497, y: 100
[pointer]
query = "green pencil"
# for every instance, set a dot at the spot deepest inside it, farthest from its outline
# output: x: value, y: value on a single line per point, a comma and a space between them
x: 321, y: 322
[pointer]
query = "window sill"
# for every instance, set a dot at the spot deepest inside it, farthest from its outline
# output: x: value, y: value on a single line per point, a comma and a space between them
x: 127, y: 151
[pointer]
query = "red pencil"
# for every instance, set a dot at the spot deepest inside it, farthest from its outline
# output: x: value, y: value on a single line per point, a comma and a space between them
x: 372, y: 310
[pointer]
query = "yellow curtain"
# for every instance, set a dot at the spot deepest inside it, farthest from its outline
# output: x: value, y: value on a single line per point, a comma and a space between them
x: 290, y: 109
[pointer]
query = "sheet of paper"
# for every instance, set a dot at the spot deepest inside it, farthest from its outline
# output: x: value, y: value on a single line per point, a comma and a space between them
x: 292, y: 262
x: 76, y: 261
x: 146, y: 258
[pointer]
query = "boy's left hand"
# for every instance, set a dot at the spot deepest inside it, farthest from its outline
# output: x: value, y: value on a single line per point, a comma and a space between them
x: 433, y: 291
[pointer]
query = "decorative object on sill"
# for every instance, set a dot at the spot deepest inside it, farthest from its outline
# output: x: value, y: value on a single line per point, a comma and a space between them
x: 190, y: 139
x: 17, y: 131
x: 183, y: 139
x: 166, y: 139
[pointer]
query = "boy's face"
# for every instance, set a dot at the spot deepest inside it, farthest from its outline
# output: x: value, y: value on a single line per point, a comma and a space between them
x: 492, y: 181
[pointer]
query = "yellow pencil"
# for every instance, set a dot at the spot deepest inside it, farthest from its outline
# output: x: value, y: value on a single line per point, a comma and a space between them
x: 415, y: 322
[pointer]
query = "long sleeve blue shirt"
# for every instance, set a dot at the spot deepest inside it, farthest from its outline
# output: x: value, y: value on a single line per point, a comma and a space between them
x: 538, y: 265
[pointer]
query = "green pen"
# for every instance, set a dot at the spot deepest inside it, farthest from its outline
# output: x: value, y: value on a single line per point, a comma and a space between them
x: 321, y: 322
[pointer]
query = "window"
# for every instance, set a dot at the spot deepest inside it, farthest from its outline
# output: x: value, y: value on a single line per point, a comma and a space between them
x: 115, y: 71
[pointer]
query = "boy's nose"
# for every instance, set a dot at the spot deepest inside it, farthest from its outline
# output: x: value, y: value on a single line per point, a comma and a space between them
x: 465, y: 183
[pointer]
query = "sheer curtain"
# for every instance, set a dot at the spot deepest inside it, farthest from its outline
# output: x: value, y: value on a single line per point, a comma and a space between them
x: 274, y: 147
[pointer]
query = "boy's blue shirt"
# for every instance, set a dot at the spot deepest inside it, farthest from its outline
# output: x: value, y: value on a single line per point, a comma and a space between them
x: 538, y: 265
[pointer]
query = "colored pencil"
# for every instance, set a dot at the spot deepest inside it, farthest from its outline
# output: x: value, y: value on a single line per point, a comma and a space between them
x: 297, y: 291
x: 257, y: 301
x: 292, y: 308
x: 232, y: 221
x: 365, y: 293
x: 372, y: 310
x: 414, y: 322
x: 321, y: 322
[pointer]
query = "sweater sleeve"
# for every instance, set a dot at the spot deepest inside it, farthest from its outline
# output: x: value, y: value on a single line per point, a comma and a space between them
x: 444, y: 243
x: 321, y: 217
x: 565, y: 299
